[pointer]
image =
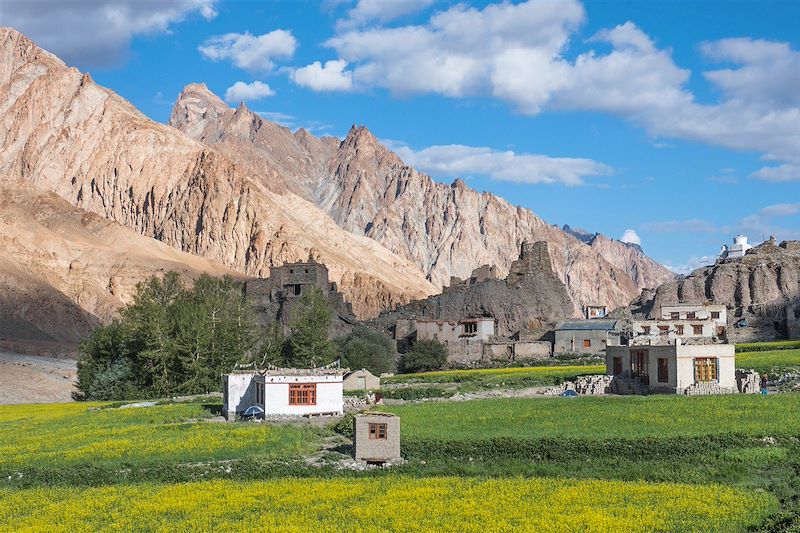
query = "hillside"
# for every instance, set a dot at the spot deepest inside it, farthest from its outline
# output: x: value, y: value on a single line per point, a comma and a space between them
x: 446, y: 230
x: 63, y: 133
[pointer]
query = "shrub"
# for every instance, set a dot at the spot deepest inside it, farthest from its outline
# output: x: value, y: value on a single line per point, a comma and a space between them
x: 425, y: 356
x: 366, y: 348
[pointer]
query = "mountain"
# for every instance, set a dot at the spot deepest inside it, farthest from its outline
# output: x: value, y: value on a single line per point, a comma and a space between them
x: 60, y: 132
x: 446, y: 230
x: 579, y: 233
x: 763, y: 288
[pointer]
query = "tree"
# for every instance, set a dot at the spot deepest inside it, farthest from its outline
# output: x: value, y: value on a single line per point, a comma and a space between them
x: 425, y: 356
x: 366, y: 348
x: 308, y: 344
x: 170, y: 340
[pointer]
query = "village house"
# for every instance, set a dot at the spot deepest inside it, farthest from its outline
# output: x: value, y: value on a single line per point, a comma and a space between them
x: 595, y: 311
x: 586, y: 336
x: 665, y: 331
x: 376, y: 437
x: 361, y: 380
x: 521, y: 346
x: 463, y: 338
x: 284, y: 391
x: 674, y: 368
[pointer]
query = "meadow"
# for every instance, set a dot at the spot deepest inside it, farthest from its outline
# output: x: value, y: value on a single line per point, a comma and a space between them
x: 771, y: 361
x: 60, y: 436
x: 391, y: 503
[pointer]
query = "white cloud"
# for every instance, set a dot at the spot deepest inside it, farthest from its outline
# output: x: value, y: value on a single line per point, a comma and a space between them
x: 459, y: 160
x: 96, y: 33
x: 631, y: 237
x: 382, y: 11
x: 247, y: 92
x: 780, y: 210
x: 254, y: 53
x: 519, y: 53
x: 780, y: 173
x: 329, y: 77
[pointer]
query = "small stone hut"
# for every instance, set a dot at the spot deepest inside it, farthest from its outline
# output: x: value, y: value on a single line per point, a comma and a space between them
x: 361, y: 380
x: 376, y: 438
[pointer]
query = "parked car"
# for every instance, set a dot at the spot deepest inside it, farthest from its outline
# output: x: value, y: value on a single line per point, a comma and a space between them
x: 569, y: 393
x: 253, y: 412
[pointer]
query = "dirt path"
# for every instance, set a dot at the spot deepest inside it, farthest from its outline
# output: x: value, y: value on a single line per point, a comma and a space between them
x: 33, y: 379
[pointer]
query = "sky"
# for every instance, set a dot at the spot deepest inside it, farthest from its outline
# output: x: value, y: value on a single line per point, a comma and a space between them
x: 672, y: 124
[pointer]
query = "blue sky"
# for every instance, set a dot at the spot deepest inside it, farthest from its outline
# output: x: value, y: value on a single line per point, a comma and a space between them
x: 677, y: 120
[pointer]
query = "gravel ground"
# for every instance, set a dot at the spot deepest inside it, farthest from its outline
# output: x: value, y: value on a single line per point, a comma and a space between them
x: 33, y: 379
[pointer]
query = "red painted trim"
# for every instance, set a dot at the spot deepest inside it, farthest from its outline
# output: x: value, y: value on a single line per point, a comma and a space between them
x: 301, y: 382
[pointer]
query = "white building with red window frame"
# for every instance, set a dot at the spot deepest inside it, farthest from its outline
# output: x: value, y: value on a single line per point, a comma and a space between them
x: 285, y: 392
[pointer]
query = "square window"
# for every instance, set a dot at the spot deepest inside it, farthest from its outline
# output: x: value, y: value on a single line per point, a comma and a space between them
x: 690, y: 315
x: 646, y: 330
x: 377, y: 431
x: 715, y: 315
x: 663, y: 330
x: 587, y: 343
x: 697, y: 329
x: 674, y: 315
x: 302, y: 394
x: 705, y: 369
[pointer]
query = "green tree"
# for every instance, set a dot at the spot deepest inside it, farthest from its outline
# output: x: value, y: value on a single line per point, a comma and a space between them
x: 425, y: 356
x: 273, y: 345
x: 308, y: 344
x: 170, y: 340
x: 367, y: 348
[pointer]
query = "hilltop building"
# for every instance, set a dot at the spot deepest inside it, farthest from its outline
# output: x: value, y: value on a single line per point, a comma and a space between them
x: 463, y: 338
x: 674, y: 368
x: 284, y: 391
x: 739, y: 248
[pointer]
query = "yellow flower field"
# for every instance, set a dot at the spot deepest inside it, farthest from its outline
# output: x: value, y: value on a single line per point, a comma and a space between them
x: 66, y: 434
x: 393, y: 503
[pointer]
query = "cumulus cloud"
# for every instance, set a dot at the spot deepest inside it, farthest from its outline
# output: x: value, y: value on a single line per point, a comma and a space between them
x: 381, y: 11
x: 331, y: 76
x: 97, y: 33
x: 780, y: 210
x: 247, y: 92
x: 459, y: 160
x: 631, y: 237
x: 254, y: 53
x: 519, y: 53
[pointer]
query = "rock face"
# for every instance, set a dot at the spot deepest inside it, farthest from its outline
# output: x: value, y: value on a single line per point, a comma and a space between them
x: 529, y: 297
x: 61, y: 132
x: 63, y: 270
x: 446, y: 230
x: 763, y: 287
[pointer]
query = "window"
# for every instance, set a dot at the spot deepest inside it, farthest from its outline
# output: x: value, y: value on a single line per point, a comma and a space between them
x: 674, y: 315
x: 470, y: 328
x: 663, y: 330
x: 679, y: 329
x: 306, y: 271
x: 697, y: 329
x: 663, y: 370
x: 690, y: 315
x: 291, y: 271
x: 715, y: 315
x: 297, y: 290
x: 646, y: 330
x: 302, y: 394
x: 377, y: 431
x: 617, y: 366
x: 705, y: 369
x: 587, y: 343
x: 639, y: 363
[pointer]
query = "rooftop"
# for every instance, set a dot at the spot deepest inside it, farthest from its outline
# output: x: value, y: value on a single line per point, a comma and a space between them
x: 586, y: 325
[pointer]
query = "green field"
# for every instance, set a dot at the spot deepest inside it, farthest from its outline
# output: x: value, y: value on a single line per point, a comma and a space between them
x: 61, y: 436
x: 771, y: 362
x: 764, y: 346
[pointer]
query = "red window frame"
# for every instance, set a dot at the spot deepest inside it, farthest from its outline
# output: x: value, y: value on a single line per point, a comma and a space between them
x: 377, y: 431
x: 302, y: 394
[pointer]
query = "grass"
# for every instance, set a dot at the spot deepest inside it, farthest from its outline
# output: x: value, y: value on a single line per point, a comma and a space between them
x: 593, y: 418
x: 525, y: 376
x: 394, y: 503
x: 767, y: 346
x: 771, y: 362
x: 62, y: 436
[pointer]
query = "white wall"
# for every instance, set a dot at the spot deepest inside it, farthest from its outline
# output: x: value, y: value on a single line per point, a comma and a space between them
x: 276, y: 394
x: 655, y: 336
x: 702, y: 312
x: 240, y: 393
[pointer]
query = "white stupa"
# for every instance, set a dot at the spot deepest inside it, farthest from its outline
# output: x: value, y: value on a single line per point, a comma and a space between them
x: 739, y: 248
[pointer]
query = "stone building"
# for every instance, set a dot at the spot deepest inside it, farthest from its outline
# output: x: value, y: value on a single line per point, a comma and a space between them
x: 284, y: 392
x: 463, y: 338
x: 275, y: 296
x: 674, y: 368
x: 361, y: 380
x: 376, y: 438
x: 586, y: 337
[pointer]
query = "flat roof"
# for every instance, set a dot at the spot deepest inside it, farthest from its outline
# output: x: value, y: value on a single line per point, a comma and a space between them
x: 587, y: 325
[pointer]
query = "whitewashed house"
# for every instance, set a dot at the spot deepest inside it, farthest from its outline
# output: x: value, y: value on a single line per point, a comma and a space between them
x: 285, y: 391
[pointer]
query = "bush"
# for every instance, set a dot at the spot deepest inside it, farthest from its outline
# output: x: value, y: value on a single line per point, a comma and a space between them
x: 425, y: 356
x: 366, y: 348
